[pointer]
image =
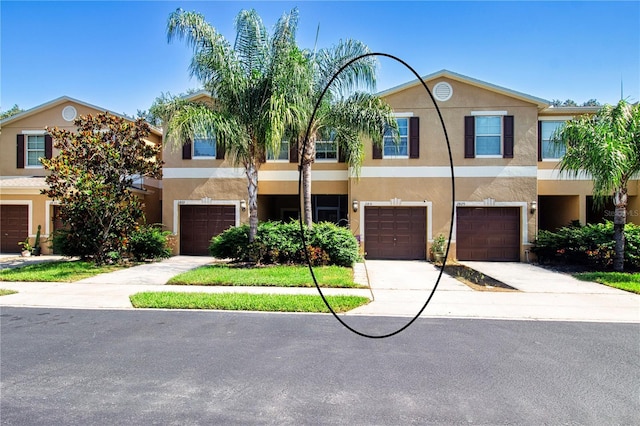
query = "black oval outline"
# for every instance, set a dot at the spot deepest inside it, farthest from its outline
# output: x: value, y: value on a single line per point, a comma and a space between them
x: 453, y: 197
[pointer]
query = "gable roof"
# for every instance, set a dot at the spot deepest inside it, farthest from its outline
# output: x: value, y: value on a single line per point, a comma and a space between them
x: 541, y: 103
x: 61, y: 100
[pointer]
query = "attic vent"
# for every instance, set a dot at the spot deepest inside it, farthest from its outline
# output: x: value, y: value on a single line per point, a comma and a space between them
x: 69, y: 113
x: 442, y: 91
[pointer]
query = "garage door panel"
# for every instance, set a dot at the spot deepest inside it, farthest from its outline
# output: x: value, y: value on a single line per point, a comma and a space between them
x: 14, y: 227
x: 488, y: 233
x: 395, y: 232
x: 198, y: 224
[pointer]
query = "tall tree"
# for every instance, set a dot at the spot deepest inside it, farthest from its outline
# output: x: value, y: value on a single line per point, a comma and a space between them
x: 92, y: 177
x: 346, y: 116
x: 256, y: 85
x: 606, y: 147
x: 10, y: 112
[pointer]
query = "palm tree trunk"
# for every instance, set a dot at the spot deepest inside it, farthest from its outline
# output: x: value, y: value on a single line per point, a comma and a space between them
x: 252, y: 190
x: 619, y: 220
x: 308, y: 156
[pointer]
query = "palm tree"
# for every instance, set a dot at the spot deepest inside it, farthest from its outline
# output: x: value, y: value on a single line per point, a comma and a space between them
x: 606, y: 147
x: 256, y: 86
x: 345, y: 116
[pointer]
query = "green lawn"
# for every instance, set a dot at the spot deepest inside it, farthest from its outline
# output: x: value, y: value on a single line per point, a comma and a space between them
x: 245, y: 301
x: 273, y: 276
x: 622, y: 280
x: 56, y: 271
x: 6, y: 292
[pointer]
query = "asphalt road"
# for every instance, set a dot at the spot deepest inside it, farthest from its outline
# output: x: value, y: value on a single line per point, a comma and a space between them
x: 85, y: 367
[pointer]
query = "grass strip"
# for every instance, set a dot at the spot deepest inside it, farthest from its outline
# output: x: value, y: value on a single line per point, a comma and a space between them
x: 56, y: 271
x: 245, y: 301
x: 620, y: 280
x: 6, y: 292
x: 269, y: 276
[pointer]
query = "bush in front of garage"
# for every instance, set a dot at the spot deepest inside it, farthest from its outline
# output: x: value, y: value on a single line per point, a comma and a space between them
x: 149, y: 242
x: 591, y: 245
x: 280, y: 242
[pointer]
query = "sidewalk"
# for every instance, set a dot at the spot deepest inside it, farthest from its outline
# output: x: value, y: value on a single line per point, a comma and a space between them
x: 399, y: 288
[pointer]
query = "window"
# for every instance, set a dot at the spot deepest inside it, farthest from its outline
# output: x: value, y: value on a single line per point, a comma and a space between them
x: 549, y: 149
x: 282, y: 155
x: 204, y: 147
x: 399, y: 150
x: 35, y: 150
x: 326, y: 150
x: 488, y: 130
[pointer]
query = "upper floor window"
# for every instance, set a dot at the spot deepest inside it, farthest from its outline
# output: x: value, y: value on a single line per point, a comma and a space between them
x: 400, y: 148
x: 281, y: 155
x: 550, y: 150
x: 204, y: 147
x: 488, y: 136
x: 35, y: 150
x: 326, y: 150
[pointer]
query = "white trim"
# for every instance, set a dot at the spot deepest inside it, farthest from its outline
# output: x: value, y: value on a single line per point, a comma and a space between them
x: 203, y: 173
x: 49, y: 217
x: 524, y: 229
x: 34, y: 132
x: 403, y: 114
x: 445, y: 172
x: 556, y: 118
x: 489, y: 113
x: 202, y: 202
x: 397, y: 203
x: 555, y: 174
x: 447, y: 87
x: 29, y: 204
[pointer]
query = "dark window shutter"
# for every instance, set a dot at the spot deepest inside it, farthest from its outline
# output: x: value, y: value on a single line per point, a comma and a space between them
x: 219, y: 151
x: 377, y: 151
x: 342, y: 155
x: 507, y: 123
x: 186, y: 150
x: 539, y: 140
x: 48, y: 147
x: 469, y: 137
x: 414, y: 137
x: 20, y: 151
x: 293, y: 151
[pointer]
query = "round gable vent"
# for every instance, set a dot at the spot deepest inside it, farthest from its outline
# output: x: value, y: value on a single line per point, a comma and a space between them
x: 442, y: 91
x: 69, y: 113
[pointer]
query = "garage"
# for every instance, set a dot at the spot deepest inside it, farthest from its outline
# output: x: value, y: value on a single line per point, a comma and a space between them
x: 199, y: 223
x: 395, y: 232
x: 488, y: 234
x: 14, y: 226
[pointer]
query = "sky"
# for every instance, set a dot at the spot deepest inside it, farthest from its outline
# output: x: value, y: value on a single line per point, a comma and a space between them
x: 115, y: 54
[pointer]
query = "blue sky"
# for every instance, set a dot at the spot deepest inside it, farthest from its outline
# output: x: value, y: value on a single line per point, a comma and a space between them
x: 115, y: 54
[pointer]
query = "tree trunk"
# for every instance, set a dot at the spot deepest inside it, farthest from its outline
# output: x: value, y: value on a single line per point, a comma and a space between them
x: 619, y: 220
x: 308, y: 157
x: 252, y: 190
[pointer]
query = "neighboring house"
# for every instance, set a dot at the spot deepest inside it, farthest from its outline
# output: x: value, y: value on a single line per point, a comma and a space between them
x: 506, y: 185
x: 23, y: 141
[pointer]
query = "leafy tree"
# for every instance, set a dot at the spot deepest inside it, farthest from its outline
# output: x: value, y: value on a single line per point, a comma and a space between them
x: 606, y: 147
x: 344, y: 116
x: 92, y: 178
x: 591, y: 102
x: 256, y: 85
x: 572, y: 103
x: 10, y: 112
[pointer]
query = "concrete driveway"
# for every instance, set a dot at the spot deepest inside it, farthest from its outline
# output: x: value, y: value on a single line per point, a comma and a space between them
x: 399, y: 289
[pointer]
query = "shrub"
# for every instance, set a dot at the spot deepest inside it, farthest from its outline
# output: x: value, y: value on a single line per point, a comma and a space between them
x: 591, y: 245
x: 278, y: 242
x: 149, y: 242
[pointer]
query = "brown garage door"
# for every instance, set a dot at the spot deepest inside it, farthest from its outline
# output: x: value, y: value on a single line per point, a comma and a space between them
x: 488, y: 233
x: 395, y: 232
x: 199, y: 223
x: 14, y: 227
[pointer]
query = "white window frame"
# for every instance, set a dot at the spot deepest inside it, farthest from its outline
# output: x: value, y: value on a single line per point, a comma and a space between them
x: 204, y: 157
x: 499, y: 114
x: 401, y: 116
x: 27, y: 134
x: 552, y: 119
x: 270, y: 156
x: 327, y: 160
